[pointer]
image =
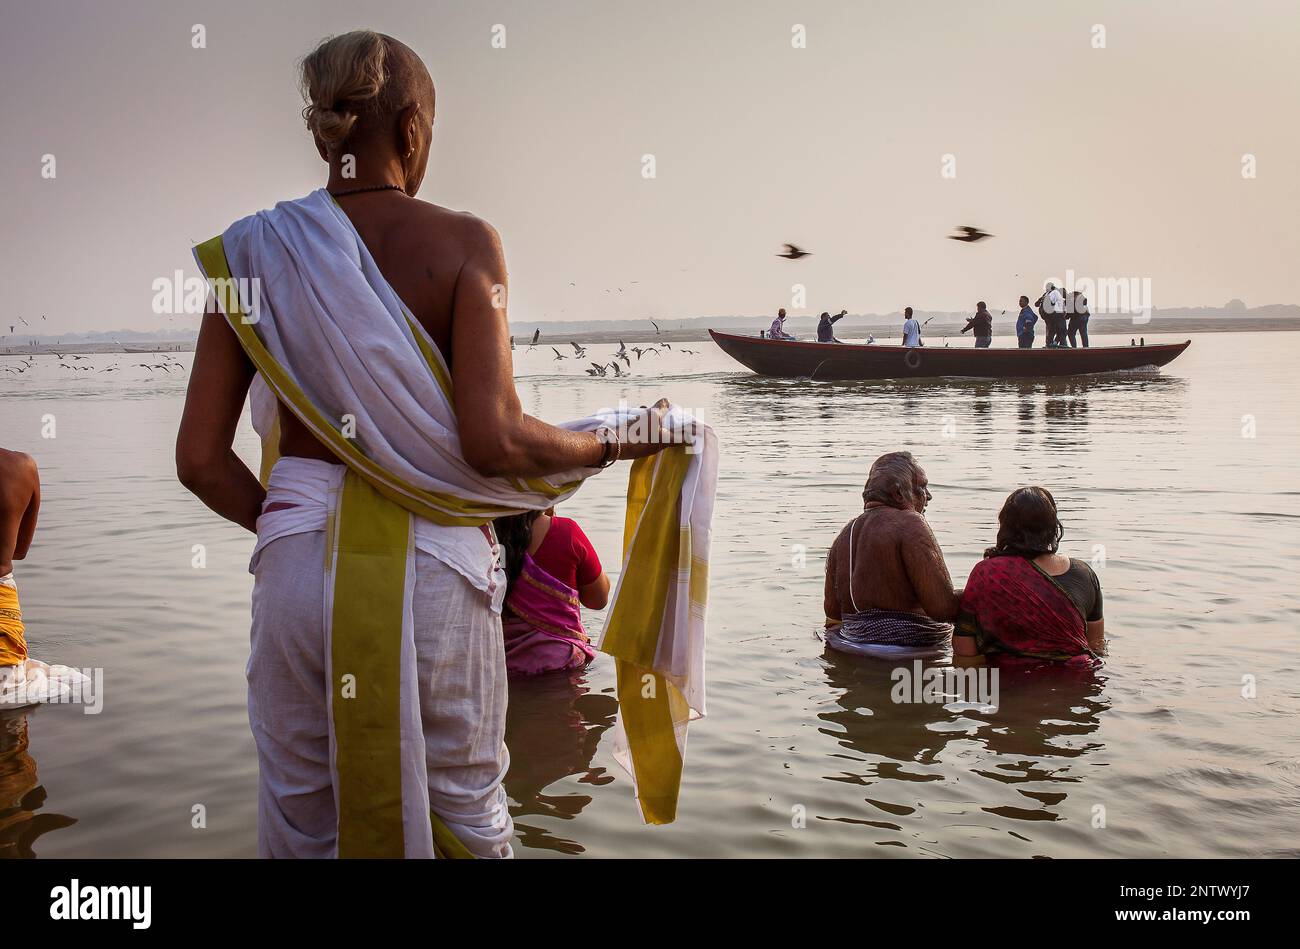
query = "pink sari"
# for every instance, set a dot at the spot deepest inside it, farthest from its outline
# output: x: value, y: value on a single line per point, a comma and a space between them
x: 543, y: 625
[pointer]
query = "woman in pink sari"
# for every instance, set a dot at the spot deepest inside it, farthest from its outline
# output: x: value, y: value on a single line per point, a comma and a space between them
x: 1026, y: 602
x: 552, y: 571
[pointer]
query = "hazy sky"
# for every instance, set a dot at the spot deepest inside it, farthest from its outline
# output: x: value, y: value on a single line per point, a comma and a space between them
x: 1117, y: 162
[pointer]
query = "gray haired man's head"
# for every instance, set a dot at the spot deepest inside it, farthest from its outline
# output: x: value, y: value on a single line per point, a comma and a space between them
x: 898, y: 481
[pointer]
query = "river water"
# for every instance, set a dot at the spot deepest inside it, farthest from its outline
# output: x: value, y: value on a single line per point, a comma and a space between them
x: 1180, y: 486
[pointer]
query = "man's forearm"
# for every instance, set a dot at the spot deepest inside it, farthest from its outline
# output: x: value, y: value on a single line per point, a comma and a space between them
x: 230, y: 490
x: 534, y: 448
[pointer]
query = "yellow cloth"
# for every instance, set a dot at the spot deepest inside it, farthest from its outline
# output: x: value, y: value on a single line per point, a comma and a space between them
x: 13, y: 644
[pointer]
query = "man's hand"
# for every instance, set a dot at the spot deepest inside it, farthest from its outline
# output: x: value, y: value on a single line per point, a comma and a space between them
x: 648, y: 435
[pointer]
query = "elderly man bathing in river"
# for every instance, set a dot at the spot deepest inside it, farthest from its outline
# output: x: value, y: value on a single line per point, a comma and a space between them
x: 888, y: 591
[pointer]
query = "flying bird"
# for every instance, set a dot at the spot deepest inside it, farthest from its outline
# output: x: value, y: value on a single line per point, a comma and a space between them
x: 656, y: 326
x: 578, y: 351
x: 793, y: 253
x: 537, y: 334
x: 558, y: 354
x: 971, y: 235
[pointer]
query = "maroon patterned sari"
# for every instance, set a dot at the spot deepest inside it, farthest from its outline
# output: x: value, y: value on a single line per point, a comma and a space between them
x: 1014, y: 608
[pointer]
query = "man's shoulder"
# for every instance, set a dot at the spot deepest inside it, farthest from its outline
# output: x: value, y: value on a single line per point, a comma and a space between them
x: 909, y: 523
x: 460, y: 223
x: 17, y: 465
x: 17, y: 460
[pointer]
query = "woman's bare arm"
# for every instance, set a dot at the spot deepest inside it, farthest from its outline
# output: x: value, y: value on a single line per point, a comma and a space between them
x: 1096, y: 633
x: 206, y: 462
x: 595, y: 595
x: 498, y: 439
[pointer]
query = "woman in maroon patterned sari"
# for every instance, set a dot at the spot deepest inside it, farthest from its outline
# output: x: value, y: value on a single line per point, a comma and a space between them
x: 1025, y: 601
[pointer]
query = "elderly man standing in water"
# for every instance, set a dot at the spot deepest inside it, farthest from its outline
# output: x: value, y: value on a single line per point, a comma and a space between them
x: 888, y: 590
x: 377, y: 677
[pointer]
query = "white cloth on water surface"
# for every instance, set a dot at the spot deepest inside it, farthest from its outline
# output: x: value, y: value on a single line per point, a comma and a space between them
x: 308, y: 484
x: 331, y: 323
x: 33, y: 682
x: 456, y: 687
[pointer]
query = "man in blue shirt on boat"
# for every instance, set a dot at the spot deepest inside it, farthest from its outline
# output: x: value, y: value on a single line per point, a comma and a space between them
x: 1025, y: 324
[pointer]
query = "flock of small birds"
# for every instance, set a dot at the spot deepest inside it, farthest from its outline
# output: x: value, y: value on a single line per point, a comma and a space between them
x: 613, y: 367
x: 71, y: 363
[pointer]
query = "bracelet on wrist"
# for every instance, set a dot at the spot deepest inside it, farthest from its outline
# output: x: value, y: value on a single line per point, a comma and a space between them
x: 613, y: 447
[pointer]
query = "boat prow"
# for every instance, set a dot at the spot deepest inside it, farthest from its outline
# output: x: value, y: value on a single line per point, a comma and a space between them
x: 849, y: 361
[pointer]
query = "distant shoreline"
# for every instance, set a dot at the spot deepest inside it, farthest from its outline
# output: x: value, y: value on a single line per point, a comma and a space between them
x: 846, y: 330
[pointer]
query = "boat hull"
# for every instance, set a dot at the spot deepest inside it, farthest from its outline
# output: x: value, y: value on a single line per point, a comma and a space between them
x: 769, y: 357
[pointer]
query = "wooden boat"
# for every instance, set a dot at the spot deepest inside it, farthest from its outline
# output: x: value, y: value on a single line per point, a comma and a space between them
x: 774, y: 357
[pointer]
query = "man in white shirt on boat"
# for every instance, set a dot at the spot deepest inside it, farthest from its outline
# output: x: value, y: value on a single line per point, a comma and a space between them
x: 911, y: 329
x: 1053, y: 307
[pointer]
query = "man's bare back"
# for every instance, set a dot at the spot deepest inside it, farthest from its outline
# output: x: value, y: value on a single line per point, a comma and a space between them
x: 896, y: 561
x: 20, y: 501
x: 897, y: 565
x: 420, y: 249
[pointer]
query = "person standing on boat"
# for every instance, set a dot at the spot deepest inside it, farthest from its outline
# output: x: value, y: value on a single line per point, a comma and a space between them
x: 1051, y: 306
x: 982, y: 323
x: 1025, y: 324
x: 778, y: 327
x: 826, y: 326
x: 911, y: 329
x: 1078, y: 321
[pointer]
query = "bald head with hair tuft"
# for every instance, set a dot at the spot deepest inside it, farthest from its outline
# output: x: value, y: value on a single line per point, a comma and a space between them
x: 356, y: 85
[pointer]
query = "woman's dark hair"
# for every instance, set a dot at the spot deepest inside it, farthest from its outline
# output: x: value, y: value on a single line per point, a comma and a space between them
x: 514, y: 534
x: 1027, y: 525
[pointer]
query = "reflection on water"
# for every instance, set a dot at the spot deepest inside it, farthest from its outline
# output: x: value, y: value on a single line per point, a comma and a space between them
x: 1044, y: 720
x: 21, y: 793
x: 553, y: 726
